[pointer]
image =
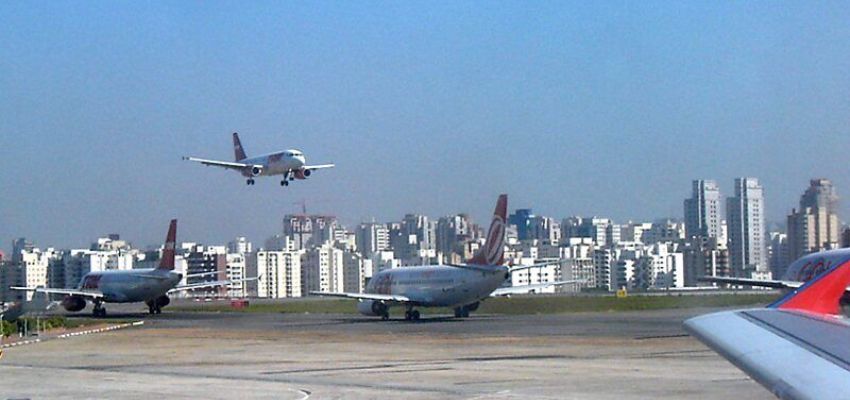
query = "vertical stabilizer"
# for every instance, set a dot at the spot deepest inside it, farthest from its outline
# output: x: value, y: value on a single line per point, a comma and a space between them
x: 493, y: 251
x: 167, y: 260
x: 237, y: 148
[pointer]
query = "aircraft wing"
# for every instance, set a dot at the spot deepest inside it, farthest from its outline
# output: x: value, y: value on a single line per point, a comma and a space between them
x: 507, y: 291
x: 752, y: 282
x: 365, y: 296
x: 513, y: 268
x: 93, y: 294
x: 320, y: 166
x: 201, y: 285
x: 796, y: 347
x: 217, y: 163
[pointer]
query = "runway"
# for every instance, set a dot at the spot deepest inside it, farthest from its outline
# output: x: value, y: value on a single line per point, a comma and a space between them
x: 629, y: 355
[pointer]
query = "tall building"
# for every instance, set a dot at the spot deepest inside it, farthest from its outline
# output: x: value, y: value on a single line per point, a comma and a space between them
x: 211, y: 261
x: 309, y: 230
x: 20, y: 245
x: 702, y: 210
x: 603, y: 231
x: 778, y: 251
x: 521, y: 218
x: 322, y: 270
x: 451, y: 231
x: 814, y: 227
x: 240, y: 245
x: 371, y: 237
x: 745, y: 223
x: 279, y: 273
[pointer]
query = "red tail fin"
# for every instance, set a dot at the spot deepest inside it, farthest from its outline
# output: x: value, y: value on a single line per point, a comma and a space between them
x: 821, y: 294
x: 237, y: 148
x: 167, y: 260
x: 493, y: 252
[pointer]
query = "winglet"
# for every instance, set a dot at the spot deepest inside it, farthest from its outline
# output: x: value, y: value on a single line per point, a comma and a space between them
x: 821, y: 294
x: 167, y: 260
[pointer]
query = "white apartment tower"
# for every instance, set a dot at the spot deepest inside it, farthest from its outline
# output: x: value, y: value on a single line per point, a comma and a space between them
x: 279, y: 274
x: 702, y: 210
x: 745, y: 220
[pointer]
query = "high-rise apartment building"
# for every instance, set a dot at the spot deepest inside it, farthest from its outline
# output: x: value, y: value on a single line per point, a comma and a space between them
x: 702, y: 210
x: 745, y: 223
x: 814, y: 227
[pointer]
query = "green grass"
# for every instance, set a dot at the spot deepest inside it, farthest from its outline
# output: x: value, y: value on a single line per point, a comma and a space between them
x: 518, y: 305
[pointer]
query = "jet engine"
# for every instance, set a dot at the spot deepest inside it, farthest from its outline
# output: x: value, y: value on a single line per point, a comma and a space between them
x: 73, y: 303
x: 371, y: 308
x: 302, y: 173
x: 253, y: 170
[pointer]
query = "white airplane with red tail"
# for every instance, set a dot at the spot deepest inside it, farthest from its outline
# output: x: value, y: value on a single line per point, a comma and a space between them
x: 461, y: 287
x: 290, y: 163
x: 149, y: 285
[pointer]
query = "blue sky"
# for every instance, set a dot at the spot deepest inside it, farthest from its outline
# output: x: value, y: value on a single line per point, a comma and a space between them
x: 585, y: 108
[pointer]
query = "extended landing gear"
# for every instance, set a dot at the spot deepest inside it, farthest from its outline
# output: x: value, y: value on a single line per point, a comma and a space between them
x: 385, y: 316
x: 284, y: 183
x: 98, y: 310
x: 154, y: 309
x: 461, y: 312
x: 411, y: 315
x: 250, y: 182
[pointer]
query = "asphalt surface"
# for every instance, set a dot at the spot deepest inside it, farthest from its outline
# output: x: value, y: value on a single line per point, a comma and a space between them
x: 633, y: 355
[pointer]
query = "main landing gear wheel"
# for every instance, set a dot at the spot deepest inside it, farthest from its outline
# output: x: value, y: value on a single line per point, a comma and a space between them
x: 411, y: 315
x: 98, y: 310
x: 385, y: 316
x: 461, y: 312
x: 154, y: 310
x: 284, y: 183
x: 250, y: 182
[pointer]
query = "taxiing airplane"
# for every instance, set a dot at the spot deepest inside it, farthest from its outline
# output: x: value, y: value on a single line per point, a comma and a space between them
x: 150, y: 285
x: 461, y: 287
x: 290, y: 163
x: 797, y: 274
x: 797, y: 346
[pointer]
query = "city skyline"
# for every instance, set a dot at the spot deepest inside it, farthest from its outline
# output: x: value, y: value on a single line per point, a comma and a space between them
x: 579, y: 109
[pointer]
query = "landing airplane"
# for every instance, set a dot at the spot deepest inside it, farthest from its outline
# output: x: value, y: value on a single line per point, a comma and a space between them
x: 149, y: 285
x: 797, y: 346
x: 461, y: 287
x: 290, y: 163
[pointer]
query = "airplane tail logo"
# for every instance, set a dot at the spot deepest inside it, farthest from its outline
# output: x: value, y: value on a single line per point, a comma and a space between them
x: 493, y: 252
x: 237, y: 148
x: 167, y: 260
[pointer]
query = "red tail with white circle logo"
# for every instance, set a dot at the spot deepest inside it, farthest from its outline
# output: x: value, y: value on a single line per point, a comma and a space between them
x: 493, y: 252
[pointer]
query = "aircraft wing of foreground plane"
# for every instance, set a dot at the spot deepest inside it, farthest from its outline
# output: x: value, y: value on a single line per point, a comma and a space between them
x: 291, y: 164
x: 797, y: 346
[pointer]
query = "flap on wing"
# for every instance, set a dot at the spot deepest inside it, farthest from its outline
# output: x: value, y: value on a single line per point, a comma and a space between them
x: 365, y: 296
x: 218, y: 163
x: 506, y: 291
x: 94, y: 294
x: 319, y: 166
x: 776, y: 284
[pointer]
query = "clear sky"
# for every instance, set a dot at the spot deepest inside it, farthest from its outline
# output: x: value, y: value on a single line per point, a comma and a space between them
x: 584, y: 108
